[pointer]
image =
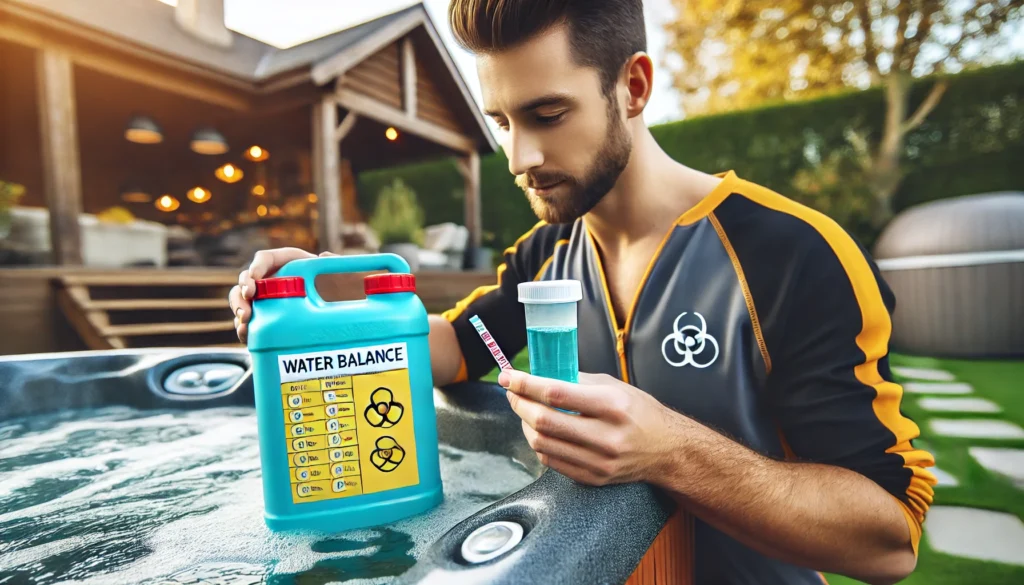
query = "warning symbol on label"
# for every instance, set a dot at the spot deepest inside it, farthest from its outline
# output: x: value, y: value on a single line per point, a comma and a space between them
x: 388, y: 455
x: 383, y: 412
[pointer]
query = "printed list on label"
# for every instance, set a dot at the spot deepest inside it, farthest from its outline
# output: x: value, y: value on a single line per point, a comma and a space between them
x: 323, y: 449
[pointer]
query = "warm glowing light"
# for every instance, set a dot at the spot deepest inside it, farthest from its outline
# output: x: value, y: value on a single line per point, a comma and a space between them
x: 199, y: 195
x: 311, y: 198
x: 275, y: 211
x: 167, y: 203
x: 229, y: 173
x: 391, y: 134
x: 261, y: 210
x: 257, y: 153
x: 136, y: 196
x: 259, y: 190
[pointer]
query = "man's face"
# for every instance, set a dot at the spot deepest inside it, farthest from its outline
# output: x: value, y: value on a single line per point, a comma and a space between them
x: 565, y: 139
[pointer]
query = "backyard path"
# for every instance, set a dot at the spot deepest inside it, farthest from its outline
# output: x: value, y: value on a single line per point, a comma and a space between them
x: 971, y: 416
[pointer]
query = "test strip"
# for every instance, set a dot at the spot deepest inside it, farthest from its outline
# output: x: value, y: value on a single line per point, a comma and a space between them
x: 492, y: 345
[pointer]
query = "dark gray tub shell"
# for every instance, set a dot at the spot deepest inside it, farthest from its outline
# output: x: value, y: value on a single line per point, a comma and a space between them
x: 574, y: 534
x: 956, y: 267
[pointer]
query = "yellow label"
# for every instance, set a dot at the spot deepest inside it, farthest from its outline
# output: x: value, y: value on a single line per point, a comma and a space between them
x: 303, y: 458
x: 349, y: 427
x: 313, y: 473
x: 340, y: 410
x: 336, y: 383
x: 303, y: 386
x: 387, y: 443
x: 331, y: 396
x: 307, y: 444
x: 318, y: 427
x: 303, y: 400
x: 304, y: 415
x: 345, y: 469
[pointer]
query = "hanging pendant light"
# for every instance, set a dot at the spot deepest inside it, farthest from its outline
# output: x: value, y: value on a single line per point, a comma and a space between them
x: 257, y: 153
x: 208, y: 141
x: 229, y: 173
x: 135, y: 194
x: 167, y: 203
x: 143, y: 130
x: 199, y: 195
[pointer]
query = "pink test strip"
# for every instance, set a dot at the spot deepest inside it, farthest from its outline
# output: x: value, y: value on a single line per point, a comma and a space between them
x: 492, y: 345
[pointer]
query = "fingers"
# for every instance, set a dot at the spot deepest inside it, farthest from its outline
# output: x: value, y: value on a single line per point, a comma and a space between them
x: 593, y: 400
x: 548, y: 448
x: 239, y: 306
x: 587, y: 432
x: 267, y: 262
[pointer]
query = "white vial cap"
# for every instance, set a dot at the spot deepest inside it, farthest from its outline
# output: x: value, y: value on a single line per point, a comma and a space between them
x: 547, y: 292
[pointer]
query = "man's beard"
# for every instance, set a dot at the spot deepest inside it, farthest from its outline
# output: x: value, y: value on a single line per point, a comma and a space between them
x: 582, y: 194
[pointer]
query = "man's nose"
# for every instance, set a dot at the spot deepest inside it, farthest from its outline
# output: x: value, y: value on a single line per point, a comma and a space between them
x: 523, y: 152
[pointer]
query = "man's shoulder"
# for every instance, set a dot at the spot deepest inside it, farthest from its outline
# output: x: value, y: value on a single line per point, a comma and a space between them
x: 765, y: 221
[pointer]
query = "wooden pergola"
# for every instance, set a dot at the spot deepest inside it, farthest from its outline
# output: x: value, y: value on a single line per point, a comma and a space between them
x: 73, y: 73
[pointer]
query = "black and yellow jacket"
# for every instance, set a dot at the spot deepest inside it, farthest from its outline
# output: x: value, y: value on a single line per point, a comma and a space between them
x: 758, y: 317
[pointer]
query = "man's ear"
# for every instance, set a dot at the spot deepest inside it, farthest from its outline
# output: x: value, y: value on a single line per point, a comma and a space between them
x: 639, y: 82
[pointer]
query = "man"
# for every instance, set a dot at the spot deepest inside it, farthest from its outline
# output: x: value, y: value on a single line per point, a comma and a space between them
x: 734, y: 342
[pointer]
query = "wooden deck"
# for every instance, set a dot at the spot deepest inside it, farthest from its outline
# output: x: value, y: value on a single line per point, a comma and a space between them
x: 69, y: 309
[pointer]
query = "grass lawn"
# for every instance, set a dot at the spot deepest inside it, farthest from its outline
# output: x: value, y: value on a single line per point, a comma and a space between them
x: 1001, y: 382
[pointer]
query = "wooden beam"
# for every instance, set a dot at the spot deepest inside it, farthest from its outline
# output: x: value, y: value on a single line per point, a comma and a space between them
x: 99, y: 53
x: 335, y: 66
x: 346, y: 126
x: 469, y: 167
x: 371, y: 108
x: 326, y: 173
x: 409, y: 77
x: 62, y: 175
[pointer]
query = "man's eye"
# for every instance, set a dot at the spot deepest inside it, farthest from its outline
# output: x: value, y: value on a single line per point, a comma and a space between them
x: 551, y: 119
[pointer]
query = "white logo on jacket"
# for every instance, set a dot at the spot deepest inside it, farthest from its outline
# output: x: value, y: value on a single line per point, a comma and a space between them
x: 690, y: 345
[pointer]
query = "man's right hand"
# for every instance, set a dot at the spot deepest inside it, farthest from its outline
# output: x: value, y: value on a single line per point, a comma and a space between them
x: 264, y: 264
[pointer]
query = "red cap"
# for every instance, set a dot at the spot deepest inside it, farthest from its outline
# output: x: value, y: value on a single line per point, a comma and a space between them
x: 377, y: 284
x: 280, y: 288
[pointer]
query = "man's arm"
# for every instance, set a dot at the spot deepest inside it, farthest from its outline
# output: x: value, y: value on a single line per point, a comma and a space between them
x: 808, y: 514
x: 445, y: 354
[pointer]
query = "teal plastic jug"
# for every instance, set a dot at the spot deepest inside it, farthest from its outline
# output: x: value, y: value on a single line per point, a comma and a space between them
x: 344, y: 398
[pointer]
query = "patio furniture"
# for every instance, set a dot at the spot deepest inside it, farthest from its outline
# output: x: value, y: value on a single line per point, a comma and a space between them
x: 956, y: 267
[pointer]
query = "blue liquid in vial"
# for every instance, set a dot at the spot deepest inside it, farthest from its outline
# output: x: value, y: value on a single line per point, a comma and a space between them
x: 553, y: 352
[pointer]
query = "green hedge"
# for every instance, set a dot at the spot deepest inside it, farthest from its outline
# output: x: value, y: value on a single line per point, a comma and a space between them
x: 972, y: 142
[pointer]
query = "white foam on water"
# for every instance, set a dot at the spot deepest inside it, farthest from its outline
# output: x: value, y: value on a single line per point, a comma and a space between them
x: 219, y: 529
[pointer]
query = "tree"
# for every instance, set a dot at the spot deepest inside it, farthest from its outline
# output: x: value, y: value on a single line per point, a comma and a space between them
x: 737, y: 53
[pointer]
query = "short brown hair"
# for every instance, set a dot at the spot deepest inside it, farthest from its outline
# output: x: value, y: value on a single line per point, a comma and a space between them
x: 602, y: 33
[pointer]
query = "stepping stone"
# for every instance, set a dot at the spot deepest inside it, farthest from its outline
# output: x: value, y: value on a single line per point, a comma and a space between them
x: 945, y: 478
x: 1004, y: 461
x: 977, y: 428
x: 938, y: 387
x: 976, y: 534
x: 923, y: 374
x: 958, y: 405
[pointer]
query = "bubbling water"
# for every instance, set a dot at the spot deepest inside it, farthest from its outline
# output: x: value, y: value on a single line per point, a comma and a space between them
x: 119, y: 495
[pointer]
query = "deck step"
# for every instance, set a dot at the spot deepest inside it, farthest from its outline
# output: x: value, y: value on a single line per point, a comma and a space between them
x: 167, y: 328
x: 156, y: 305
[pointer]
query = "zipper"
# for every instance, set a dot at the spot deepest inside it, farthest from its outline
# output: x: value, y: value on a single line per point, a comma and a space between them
x: 620, y: 348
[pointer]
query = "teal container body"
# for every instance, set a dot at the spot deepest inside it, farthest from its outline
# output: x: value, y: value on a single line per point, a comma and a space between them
x: 344, y: 403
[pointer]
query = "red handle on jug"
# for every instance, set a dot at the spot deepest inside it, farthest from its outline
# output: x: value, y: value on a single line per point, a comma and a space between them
x: 310, y: 268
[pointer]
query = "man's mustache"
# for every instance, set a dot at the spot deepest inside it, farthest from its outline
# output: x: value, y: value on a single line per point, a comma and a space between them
x: 540, y: 180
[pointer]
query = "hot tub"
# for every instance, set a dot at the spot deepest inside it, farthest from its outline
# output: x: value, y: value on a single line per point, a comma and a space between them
x: 142, y: 466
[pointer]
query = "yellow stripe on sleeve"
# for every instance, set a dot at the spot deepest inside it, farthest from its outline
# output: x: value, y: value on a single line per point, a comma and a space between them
x: 873, y: 340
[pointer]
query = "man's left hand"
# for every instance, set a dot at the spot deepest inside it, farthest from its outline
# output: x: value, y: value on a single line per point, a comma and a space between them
x: 618, y: 436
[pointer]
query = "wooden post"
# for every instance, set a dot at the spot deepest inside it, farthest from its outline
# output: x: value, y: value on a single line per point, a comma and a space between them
x: 470, y: 169
x: 326, y: 175
x: 62, y: 175
x: 409, y: 77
